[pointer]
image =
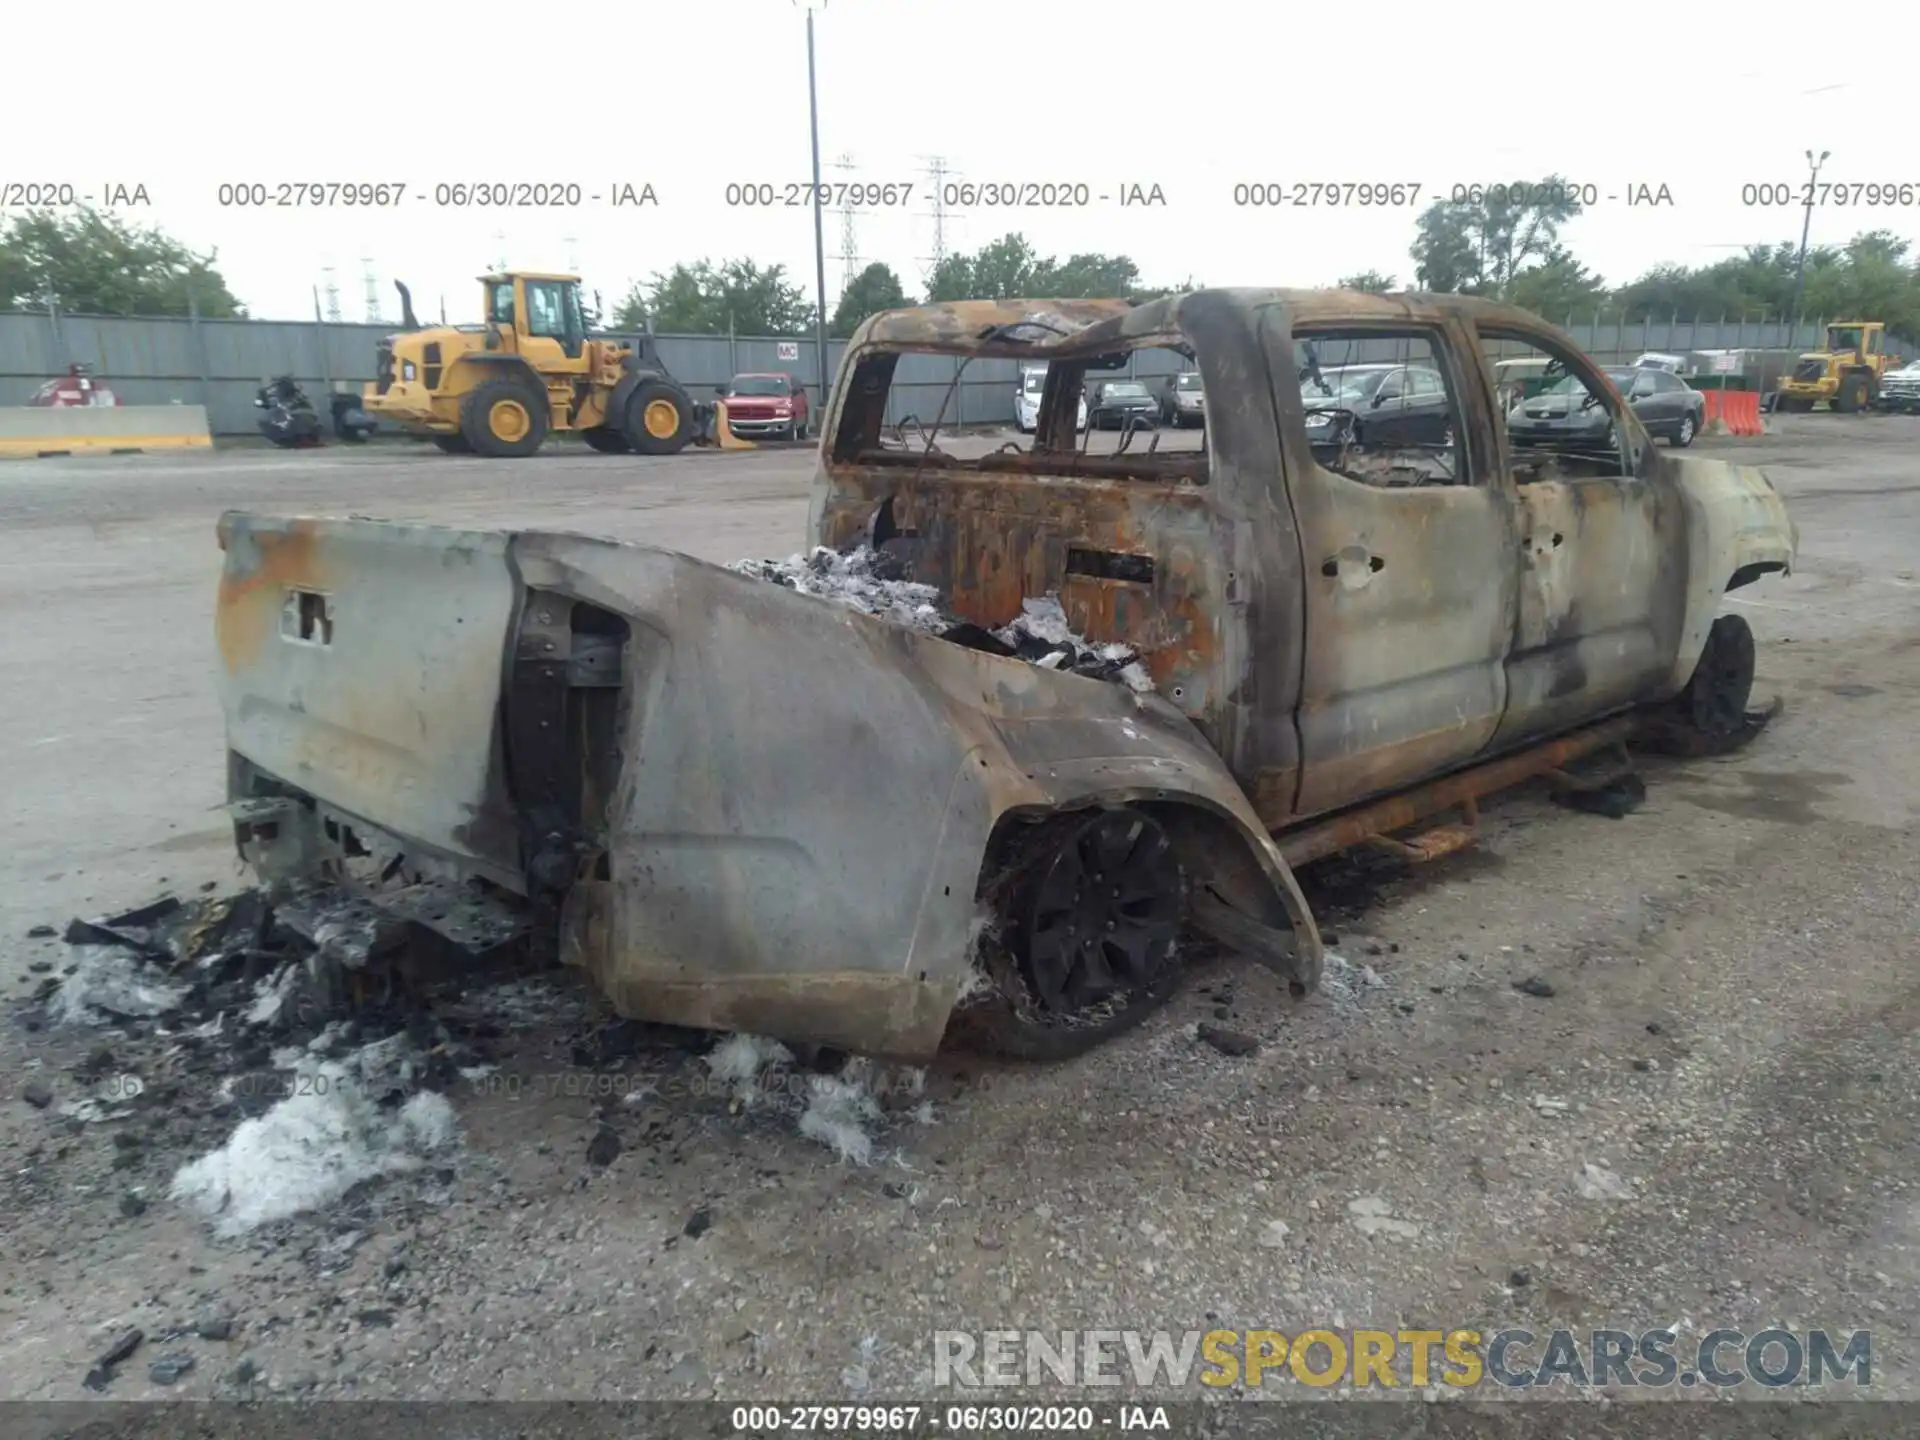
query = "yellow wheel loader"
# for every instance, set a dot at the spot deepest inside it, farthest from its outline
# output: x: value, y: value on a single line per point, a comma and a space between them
x: 1846, y: 374
x: 528, y: 369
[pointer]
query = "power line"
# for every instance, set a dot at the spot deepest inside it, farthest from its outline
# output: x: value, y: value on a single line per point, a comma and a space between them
x: 939, y: 174
x: 849, y: 252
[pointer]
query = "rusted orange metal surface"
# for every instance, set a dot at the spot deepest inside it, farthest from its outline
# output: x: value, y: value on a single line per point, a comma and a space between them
x: 1396, y: 812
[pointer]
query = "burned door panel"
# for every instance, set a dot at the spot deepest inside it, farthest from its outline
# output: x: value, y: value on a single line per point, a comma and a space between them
x: 1599, y: 602
x: 1411, y: 593
x: 1602, y: 576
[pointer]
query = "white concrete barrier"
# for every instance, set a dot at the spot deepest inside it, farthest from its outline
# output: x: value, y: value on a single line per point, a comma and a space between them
x: 33, y: 430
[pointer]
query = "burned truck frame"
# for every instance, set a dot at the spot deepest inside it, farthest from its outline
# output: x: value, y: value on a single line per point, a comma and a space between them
x: 740, y: 807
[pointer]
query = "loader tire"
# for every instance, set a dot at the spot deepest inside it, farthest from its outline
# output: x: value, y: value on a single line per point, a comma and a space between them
x: 659, y: 419
x: 605, y: 439
x: 452, y: 445
x: 504, y: 419
x: 1852, y: 395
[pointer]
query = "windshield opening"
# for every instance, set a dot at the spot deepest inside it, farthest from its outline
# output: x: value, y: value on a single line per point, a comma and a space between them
x: 1188, y: 382
x: 1036, y: 381
x: 759, y: 385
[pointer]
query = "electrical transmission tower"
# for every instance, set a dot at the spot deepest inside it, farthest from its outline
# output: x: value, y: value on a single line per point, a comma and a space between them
x: 849, y: 252
x: 373, y: 289
x: 331, y: 289
x: 938, y: 174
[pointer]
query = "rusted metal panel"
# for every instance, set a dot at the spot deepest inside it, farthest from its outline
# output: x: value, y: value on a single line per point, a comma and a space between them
x: 1409, y: 807
x: 386, y: 706
x: 1363, y: 637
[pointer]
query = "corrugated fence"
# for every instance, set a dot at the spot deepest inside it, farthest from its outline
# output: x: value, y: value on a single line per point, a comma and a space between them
x: 219, y: 363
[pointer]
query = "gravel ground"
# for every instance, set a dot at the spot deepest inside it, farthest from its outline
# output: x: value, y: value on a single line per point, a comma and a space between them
x: 1703, y: 1116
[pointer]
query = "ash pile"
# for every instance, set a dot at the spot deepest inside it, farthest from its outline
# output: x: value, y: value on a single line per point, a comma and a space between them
x: 246, y: 1060
x: 876, y: 583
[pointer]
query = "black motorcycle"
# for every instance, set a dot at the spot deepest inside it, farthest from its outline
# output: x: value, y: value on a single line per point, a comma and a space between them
x: 291, y: 422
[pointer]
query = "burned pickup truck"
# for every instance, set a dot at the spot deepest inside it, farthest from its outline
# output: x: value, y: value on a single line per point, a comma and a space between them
x: 739, y: 806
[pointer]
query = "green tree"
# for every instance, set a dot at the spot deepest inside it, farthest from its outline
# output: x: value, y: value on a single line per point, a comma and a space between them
x: 874, y: 289
x: 1371, y: 281
x: 1479, y: 247
x: 1088, y: 277
x: 1558, y: 287
x: 93, y: 263
x: 1010, y: 268
x: 708, y: 299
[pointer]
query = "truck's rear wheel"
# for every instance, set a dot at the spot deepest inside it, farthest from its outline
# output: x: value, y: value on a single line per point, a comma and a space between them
x: 606, y: 440
x: 504, y: 419
x: 1091, y: 905
x: 659, y: 418
x: 452, y: 444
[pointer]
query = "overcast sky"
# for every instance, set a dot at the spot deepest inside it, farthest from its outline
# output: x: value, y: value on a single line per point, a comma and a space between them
x: 1194, y: 96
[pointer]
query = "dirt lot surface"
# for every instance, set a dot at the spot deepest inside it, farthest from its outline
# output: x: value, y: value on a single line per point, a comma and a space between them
x: 1729, y: 1036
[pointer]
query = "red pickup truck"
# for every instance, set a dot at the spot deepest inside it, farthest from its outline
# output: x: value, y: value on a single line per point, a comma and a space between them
x: 767, y: 405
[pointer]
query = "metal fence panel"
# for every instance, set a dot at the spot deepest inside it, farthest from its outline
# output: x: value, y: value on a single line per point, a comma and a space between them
x: 218, y: 363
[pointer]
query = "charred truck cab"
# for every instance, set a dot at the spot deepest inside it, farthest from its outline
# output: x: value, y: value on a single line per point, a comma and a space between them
x: 742, y: 807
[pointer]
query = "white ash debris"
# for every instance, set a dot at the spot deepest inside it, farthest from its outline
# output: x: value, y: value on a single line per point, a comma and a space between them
x: 739, y: 1061
x: 874, y: 583
x: 109, y: 983
x: 335, y: 1129
x: 844, y: 1111
x: 1042, y: 635
x: 863, y: 579
x: 840, y: 1108
x: 1346, y: 982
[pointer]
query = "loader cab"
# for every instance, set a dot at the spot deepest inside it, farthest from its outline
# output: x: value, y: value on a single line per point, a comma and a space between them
x: 539, y: 317
x: 1855, y: 338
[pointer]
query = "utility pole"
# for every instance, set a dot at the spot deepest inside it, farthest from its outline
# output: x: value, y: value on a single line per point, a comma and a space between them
x: 373, y: 289
x: 939, y: 174
x: 849, y: 256
x: 819, y: 231
x: 331, y: 289
x: 1806, y: 226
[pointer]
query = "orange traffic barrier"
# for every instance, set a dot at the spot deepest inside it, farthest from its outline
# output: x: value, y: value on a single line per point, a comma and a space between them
x: 1741, y: 410
x: 1715, y: 415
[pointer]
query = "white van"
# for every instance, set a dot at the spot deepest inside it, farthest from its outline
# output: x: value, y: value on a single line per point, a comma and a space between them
x: 1026, y: 400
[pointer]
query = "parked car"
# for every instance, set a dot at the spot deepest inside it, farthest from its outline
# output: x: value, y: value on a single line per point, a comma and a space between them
x: 1116, y: 402
x: 1026, y: 401
x: 1900, y: 389
x: 1184, y: 401
x: 738, y: 805
x: 766, y: 405
x: 1567, y: 414
x: 1388, y: 405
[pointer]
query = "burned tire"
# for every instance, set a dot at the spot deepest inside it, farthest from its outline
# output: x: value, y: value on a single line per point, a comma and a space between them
x: 659, y: 419
x: 606, y: 439
x: 504, y: 419
x: 1713, y: 707
x: 1091, y: 908
x: 452, y: 445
